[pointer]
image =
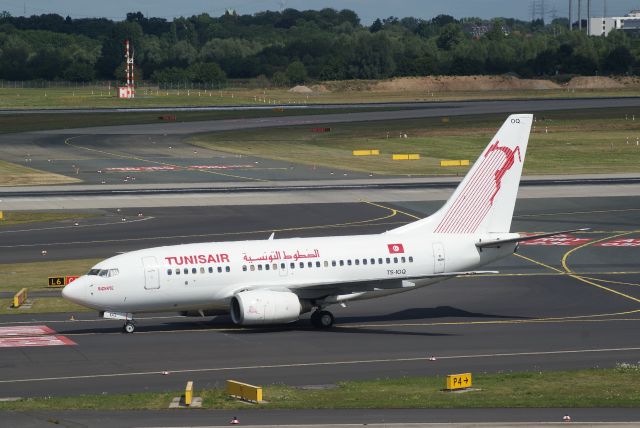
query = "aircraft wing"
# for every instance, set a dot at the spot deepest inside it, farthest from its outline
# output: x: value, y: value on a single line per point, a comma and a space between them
x: 318, y: 290
x: 499, y: 242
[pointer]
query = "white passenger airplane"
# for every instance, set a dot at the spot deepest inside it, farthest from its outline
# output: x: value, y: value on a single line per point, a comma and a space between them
x: 276, y: 280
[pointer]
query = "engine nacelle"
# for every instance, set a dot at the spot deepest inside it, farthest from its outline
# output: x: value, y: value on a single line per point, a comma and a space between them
x: 265, y: 307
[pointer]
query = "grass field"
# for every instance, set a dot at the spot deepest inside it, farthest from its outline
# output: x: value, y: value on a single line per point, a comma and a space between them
x: 21, y: 217
x: 12, y: 174
x: 619, y: 387
x: 102, y: 97
x: 33, y: 275
x: 563, y: 142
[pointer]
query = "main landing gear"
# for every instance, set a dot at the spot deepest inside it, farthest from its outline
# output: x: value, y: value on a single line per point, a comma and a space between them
x: 322, y: 319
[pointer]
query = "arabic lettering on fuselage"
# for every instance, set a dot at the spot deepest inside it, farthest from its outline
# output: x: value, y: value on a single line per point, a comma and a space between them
x: 282, y: 255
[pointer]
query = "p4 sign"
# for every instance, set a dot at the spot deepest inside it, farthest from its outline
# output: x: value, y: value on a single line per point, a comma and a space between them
x: 395, y: 248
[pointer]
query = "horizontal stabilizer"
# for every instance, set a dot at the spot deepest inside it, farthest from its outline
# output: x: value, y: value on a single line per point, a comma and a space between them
x: 498, y: 242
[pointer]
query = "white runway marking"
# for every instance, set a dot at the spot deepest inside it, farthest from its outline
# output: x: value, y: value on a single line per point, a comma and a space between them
x: 323, y: 363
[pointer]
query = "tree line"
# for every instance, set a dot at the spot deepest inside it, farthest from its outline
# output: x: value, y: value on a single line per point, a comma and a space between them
x: 291, y: 46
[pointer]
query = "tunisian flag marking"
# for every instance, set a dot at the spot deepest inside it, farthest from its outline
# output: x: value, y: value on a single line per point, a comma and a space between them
x: 395, y: 248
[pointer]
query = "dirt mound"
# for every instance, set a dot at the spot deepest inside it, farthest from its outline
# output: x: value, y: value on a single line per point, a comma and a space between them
x: 461, y: 83
x: 593, y: 82
x: 320, y: 88
x: 301, y: 89
x: 628, y: 81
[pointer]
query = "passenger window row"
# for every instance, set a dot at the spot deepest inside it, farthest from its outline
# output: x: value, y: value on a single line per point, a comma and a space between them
x: 202, y: 269
x: 334, y: 263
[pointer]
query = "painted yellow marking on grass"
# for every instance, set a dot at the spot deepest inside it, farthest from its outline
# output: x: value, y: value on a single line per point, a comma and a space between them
x: 138, y: 158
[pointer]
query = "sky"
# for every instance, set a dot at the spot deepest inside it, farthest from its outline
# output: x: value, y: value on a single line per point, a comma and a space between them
x: 368, y: 10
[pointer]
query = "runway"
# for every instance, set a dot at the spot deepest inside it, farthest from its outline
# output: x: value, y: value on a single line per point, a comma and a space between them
x: 570, y: 304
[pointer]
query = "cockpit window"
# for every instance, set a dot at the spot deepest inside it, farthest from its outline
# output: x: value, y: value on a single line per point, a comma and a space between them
x: 104, y: 273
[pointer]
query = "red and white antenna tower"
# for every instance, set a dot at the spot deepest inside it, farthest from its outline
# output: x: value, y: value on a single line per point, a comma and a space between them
x: 128, y: 91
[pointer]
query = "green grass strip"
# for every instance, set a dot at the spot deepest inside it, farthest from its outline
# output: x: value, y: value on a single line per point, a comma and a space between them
x: 617, y: 387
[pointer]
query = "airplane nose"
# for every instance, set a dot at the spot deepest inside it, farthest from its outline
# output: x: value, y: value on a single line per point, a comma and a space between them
x: 75, y: 291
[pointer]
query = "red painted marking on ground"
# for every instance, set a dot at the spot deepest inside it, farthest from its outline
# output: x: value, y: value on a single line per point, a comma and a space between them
x: 620, y: 243
x: 559, y: 240
x: 18, y: 342
x: 173, y: 168
x: 31, y: 335
x: 25, y: 330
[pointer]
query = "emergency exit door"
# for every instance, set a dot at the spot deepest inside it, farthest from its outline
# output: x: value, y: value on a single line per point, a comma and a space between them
x: 151, y: 273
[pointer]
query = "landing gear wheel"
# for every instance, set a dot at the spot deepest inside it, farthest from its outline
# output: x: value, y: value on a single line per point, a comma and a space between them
x: 322, y: 319
x: 129, y: 327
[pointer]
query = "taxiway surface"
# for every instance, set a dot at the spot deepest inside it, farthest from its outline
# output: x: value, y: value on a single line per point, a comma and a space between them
x: 569, y: 303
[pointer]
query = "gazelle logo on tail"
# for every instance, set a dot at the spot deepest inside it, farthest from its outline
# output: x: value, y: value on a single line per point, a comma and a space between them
x: 510, y: 154
x: 476, y: 199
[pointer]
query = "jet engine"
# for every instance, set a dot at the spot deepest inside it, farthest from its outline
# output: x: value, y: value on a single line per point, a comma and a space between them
x: 266, y: 307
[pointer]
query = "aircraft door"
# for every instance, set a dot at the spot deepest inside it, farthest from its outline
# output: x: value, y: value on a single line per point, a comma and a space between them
x: 438, y: 257
x: 151, y: 273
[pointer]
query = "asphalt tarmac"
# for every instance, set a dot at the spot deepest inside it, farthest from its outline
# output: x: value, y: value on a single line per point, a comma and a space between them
x: 532, y: 316
x: 569, y: 305
x: 135, y: 155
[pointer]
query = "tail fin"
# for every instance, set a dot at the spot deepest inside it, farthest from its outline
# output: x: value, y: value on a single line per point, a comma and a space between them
x: 484, y: 200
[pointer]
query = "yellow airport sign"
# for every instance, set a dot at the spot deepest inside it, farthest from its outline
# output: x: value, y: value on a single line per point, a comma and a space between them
x: 188, y: 393
x: 19, y: 298
x: 371, y: 152
x: 56, y: 281
x: 402, y: 156
x: 458, y: 381
x: 244, y: 391
x: 464, y: 162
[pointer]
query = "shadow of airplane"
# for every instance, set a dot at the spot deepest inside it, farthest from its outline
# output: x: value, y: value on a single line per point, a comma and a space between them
x: 342, y: 326
x: 421, y: 314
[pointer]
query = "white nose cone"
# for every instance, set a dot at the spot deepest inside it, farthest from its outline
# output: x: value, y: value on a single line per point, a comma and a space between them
x: 75, y: 291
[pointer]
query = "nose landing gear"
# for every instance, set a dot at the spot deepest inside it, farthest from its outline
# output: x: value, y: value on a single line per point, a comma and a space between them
x: 129, y: 326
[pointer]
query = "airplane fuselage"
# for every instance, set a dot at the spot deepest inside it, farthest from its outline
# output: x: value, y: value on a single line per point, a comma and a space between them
x: 205, y: 276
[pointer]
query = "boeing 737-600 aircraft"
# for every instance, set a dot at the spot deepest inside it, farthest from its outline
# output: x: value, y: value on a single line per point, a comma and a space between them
x: 275, y: 280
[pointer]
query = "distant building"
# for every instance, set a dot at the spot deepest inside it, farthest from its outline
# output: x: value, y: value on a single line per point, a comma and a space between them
x: 602, y: 26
